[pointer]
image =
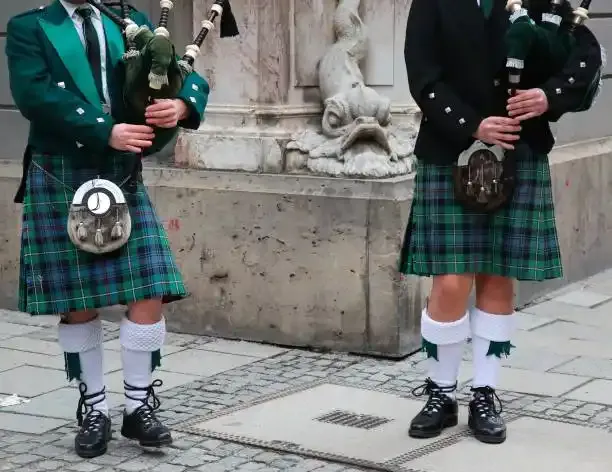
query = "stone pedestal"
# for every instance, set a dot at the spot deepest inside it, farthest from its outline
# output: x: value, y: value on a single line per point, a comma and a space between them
x: 264, y: 84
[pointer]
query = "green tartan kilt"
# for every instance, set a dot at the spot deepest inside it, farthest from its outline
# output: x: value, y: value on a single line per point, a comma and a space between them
x: 518, y: 241
x: 57, y: 278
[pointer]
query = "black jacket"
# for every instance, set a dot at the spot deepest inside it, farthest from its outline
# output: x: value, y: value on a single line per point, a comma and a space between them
x: 456, y: 59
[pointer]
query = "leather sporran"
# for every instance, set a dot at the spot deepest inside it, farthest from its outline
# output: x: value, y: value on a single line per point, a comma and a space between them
x: 99, y: 219
x: 484, y: 177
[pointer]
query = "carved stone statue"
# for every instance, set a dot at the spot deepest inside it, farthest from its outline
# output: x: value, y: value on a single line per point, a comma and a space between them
x: 356, y: 137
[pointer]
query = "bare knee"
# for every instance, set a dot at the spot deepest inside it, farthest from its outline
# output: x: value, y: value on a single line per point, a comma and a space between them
x: 145, y: 311
x: 79, y: 317
x: 494, y: 294
x: 449, y: 296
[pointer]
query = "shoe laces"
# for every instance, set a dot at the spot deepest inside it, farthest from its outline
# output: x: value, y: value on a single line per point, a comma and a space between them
x: 150, y: 403
x: 437, y: 395
x: 486, y: 402
x: 87, y: 415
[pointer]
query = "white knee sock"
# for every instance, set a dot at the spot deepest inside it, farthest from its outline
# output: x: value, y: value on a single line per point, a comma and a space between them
x: 138, y: 342
x: 85, y: 339
x: 488, y: 328
x: 449, y: 339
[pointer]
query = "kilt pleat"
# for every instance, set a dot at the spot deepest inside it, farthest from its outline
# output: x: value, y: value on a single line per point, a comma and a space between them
x: 518, y: 241
x: 56, y: 277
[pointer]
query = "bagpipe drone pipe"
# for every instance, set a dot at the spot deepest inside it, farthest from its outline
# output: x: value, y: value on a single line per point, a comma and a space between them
x: 151, y: 66
x: 545, y: 44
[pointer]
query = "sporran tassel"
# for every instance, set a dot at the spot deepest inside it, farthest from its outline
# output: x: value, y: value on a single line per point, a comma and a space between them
x: 81, y: 232
x: 117, y: 231
x: 99, y: 238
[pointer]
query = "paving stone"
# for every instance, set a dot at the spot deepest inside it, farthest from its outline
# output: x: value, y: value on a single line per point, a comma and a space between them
x: 64, y: 403
x: 597, y: 391
x: 538, y: 383
x: 570, y: 330
x: 12, y: 358
x: 14, y: 329
x: 85, y: 467
x: 28, y: 424
x: 203, y: 363
x: 534, y: 445
x: 20, y: 343
x: 243, y: 348
x: 583, y: 298
x: 114, y: 381
x: 26, y: 381
x: 539, y: 360
x: 588, y: 367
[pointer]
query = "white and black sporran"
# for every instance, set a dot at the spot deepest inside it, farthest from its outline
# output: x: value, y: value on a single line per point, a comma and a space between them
x: 484, y: 177
x: 99, y: 219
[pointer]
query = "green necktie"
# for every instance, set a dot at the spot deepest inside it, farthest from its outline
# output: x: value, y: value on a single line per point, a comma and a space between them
x: 487, y: 7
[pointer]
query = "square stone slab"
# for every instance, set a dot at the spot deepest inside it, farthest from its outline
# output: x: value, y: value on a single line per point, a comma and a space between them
x: 532, y: 445
x: 242, y: 348
x: 293, y: 419
x: 32, y: 345
x: 203, y: 363
x: 583, y: 298
x: 60, y: 404
x: 570, y: 330
x: 27, y: 381
x: 537, y: 383
x: 10, y: 358
x: 527, y: 321
x: 597, y: 391
x: 588, y: 367
x: 598, y: 316
x: 28, y: 424
x: 13, y: 329
x: 114, y: 381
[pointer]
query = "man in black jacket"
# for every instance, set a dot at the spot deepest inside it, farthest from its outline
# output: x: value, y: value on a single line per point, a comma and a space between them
x: 455, y: 56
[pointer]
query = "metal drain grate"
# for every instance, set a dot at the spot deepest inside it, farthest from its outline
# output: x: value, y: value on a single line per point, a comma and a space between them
x: 353, y: 420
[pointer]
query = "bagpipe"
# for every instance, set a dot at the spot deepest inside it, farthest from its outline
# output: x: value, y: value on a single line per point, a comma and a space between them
x: 99, y: 218
x: 484, y: 176
x: 151, y: 67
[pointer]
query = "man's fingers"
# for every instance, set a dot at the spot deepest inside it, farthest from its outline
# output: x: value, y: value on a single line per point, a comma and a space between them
x: 504, y: 121
x: 143, y: 136
x: 138, y: 129
x: 526, y: 116
x: 163, y: 123
x: 132, y: 149
x: 139, y: 143
x: 505, y: 137
x: 165, y: 113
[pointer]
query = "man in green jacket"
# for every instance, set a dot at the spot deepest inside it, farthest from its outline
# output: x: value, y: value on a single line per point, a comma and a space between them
x: 64, y: 62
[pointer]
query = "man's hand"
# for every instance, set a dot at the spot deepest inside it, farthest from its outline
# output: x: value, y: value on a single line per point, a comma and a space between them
x: 131, y: 138
x: 498, y: 130
x: 166, y: 113
x: 527, y: 104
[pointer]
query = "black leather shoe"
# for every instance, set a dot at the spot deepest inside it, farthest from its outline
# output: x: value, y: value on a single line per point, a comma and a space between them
x: 94, y: 426
x: 439, y: 412
x: 142, y: 424
x: 484, y: 418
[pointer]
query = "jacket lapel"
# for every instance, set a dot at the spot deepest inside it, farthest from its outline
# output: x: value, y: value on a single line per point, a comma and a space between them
x: 60, y: 31
x: 115, y: 47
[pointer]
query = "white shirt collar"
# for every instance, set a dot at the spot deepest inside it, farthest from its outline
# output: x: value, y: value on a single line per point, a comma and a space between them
x: 71, y: 8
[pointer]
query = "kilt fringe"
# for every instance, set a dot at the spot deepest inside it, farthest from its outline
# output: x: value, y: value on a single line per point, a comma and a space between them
x: 72, y: 365
x: 518, y: 241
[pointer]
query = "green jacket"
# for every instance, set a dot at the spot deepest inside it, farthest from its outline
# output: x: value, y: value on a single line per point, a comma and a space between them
x: 53, y: 87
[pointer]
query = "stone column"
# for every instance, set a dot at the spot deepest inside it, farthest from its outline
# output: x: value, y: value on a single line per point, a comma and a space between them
x: 264, y: 84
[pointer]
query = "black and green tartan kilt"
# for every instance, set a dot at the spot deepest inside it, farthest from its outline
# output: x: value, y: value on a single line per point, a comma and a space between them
x: 57, y: 278
x: 518, y: 241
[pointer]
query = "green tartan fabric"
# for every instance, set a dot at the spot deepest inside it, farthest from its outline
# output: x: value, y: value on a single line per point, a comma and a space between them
x: 518, y: 241
x: 57, y: 278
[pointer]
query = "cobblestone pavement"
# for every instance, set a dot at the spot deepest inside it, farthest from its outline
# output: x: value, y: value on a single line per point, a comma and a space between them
x: 237, y: 406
